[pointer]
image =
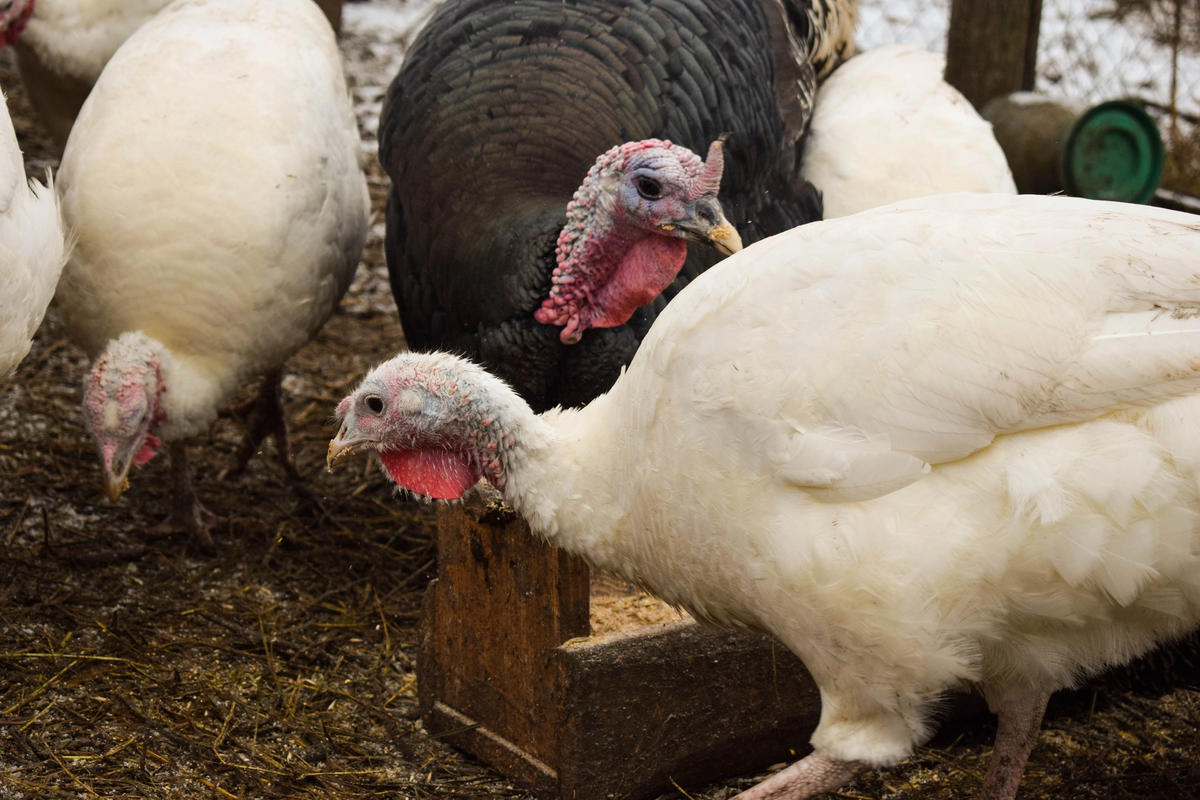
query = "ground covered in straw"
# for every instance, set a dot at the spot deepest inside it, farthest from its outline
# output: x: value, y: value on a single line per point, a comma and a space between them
x: 282, y: 666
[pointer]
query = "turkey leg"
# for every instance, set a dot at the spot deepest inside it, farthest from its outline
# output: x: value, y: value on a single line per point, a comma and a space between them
x: 810, y: 776
x: 263, y: 416
x: 187, y: 515
x: 1020, y: 719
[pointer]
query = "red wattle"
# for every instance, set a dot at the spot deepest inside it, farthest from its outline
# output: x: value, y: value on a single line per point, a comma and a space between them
x: 440, y: 474
x: 13, y: 32
x: 148, y: 450
x: 649, y: 266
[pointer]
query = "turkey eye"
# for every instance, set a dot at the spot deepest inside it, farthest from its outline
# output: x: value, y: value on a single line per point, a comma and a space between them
x: 649, y: 189
x: 375, y: 404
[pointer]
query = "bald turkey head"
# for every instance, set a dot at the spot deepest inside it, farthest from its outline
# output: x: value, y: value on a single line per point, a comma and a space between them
x: 437, y: 423
x: 627, y: 230
x: 14, y: 16
x: 121, y: 407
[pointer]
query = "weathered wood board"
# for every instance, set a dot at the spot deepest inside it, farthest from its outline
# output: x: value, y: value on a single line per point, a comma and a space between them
x: 991, y: 47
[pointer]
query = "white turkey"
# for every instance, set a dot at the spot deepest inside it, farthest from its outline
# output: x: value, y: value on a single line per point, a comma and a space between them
x: 952, y: 442
x: 32, y: 248
x: 62, y: 45
x: 213, y: 181
x: 886, y: 127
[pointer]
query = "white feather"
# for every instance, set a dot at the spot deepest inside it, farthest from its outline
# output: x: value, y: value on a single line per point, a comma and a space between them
x: 32, y: 249
x: 885, y: 127
x: 76, y: 38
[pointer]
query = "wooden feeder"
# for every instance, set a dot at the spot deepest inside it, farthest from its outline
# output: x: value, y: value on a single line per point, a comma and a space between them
x: 507, y: 671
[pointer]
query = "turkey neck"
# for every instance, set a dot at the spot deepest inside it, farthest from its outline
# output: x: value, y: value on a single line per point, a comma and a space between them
x: 189, y: 394
x: 556, y: 474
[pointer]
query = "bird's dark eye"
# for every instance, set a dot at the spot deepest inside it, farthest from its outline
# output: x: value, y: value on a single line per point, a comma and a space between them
x: 375, y: 404
x: 649, y: 188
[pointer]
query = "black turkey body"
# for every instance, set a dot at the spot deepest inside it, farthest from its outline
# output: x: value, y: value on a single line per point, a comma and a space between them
x: 501, y: 108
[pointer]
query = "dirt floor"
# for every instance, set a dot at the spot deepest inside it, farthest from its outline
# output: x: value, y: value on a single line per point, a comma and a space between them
x: 283, y: 665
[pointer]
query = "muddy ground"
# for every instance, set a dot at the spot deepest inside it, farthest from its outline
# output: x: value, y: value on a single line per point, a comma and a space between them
x: 282, y: 666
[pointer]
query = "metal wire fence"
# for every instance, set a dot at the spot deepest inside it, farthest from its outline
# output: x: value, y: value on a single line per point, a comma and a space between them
x: 1090, y: 51
x: 922, y: 22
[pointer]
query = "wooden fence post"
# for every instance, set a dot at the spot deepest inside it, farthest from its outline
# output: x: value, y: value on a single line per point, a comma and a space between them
x: 992, y: 47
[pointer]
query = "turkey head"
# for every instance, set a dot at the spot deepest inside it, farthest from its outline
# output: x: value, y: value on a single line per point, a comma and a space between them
x: 121, y: 407
x: 13, y: 19
x: 627, y: 230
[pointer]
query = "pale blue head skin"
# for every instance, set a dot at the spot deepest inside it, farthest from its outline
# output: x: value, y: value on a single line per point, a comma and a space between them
x: 659, y: 187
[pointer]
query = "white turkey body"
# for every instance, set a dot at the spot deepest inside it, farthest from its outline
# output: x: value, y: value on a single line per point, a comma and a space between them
x: 828, y: 366
x: 32, y: 249
x: 214, y: 184
x: 950, y: 442
x: 886, y: 127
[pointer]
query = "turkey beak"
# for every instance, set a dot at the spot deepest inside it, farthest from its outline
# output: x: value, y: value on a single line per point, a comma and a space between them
x: 116, y: 461
x: 709, y: 226
x: 725, y: 239
x: 341, y: 445
x: 113, y: 486
x: 116, y: 480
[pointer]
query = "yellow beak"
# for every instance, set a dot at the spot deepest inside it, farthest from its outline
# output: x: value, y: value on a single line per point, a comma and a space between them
x: 114, y: 485
x: 725, y: 239
x: 341, y: 445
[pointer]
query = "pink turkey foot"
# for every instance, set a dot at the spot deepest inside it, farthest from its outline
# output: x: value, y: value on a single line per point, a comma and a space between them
x: 810, y: 776
x: 262, y: 416
x: 187, y: 515
x: 1020, y: 721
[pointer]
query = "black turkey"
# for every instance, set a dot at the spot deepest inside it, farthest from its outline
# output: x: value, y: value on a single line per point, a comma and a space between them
x: 499, y: 112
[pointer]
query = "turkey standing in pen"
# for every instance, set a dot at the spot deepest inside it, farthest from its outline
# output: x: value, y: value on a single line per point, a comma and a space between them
x: 502, y: 107
x: 949, y: 443
x: 216, y: 235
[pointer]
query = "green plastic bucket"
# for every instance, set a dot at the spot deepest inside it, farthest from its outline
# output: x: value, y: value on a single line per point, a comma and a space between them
x: 1113, y: 152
